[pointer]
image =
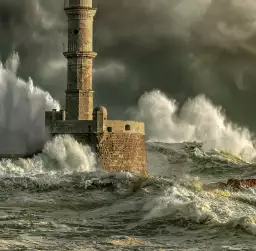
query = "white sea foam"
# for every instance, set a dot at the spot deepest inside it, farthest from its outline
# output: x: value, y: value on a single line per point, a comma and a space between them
x: 215, y: 207
x: 62, y: 155
x: 198, y: 120
x: 65, y: 153
x: 22, y: 111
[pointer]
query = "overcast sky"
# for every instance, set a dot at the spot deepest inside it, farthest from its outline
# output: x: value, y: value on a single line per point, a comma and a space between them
x: 182, y: 47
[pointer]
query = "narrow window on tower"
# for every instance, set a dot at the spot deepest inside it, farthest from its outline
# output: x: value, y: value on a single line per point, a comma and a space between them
x: 76, y: 31
x: 127, y: 128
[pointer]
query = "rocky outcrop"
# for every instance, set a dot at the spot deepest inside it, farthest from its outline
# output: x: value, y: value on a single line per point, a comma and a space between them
x: 242, y: 183
x: 231, y: 184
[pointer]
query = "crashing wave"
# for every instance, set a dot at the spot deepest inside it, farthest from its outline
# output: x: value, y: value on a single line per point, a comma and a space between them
x: 62, y: 155
x: 197, y: 120
x: 22, y: 127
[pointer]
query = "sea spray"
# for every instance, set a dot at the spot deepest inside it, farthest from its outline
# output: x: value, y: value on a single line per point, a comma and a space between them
x: 62, y: 155
x: 65, y: 153
x: 197, y: 120
x: 22, y: 127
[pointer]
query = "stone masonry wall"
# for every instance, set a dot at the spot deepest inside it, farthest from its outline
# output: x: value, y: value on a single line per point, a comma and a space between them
x: 122, y: 152
x: 120, y: 149
x: 119, y: 126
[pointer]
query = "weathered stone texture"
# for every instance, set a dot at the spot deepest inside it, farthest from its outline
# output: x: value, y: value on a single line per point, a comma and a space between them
x: 122, y: 152
x: 80, y: 55
x: 124, y: 126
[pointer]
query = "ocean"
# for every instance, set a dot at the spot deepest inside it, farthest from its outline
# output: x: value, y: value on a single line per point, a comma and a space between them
x: 63, y: 200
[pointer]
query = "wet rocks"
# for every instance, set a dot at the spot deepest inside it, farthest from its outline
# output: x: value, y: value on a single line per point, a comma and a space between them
x: 242, y: 183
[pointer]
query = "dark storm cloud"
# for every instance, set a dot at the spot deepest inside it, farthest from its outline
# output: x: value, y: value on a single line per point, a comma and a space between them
x: 182, y: 47
x: 35, y: 31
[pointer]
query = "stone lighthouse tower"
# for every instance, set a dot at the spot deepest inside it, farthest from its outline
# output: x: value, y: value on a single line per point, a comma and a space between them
x: 80, y: 55
x: 119, y: 144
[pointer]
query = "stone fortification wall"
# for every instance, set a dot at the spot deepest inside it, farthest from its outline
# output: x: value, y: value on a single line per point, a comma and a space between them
x: 124, y: 126
x: 120, y: 144
x: 72, y: 127
x: 122, y: 152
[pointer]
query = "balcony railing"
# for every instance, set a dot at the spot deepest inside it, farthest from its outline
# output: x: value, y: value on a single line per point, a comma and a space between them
x: 77, y: 3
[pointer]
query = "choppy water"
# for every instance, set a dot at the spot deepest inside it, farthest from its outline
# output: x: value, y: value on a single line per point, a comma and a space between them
x: 67, y: 203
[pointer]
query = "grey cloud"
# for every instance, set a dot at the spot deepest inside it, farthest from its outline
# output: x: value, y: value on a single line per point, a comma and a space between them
x: 181, y: 47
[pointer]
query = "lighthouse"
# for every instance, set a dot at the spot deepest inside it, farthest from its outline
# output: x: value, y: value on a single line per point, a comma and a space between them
x: 80, y: 55
x: 119, y: 144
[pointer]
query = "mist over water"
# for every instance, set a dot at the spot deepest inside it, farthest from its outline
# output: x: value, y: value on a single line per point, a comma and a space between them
x: 22, y: 111
x: 197, y: 120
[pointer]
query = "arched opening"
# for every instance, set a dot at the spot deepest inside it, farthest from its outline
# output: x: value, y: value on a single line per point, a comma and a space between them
x: 127, y: 128
x: 110, y: 129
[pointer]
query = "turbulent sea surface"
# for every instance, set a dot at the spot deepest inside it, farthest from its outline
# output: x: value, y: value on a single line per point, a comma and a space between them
x: 61, y: 200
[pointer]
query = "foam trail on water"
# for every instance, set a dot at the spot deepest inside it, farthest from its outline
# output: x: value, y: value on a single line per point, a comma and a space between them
x: 22, y: 108
x: 198, y: 120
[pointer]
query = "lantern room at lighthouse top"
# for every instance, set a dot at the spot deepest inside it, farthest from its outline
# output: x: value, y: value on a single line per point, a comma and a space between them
x: 77, y: 3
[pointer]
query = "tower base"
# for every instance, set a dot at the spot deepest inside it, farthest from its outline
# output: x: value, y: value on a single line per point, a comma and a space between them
x: 118, y: 152
x: 119, y: 144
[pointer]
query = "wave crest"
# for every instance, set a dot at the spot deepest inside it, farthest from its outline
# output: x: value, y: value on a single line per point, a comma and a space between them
x: 22, y: 127
x: 62, y: 155
x: 197, y: 120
